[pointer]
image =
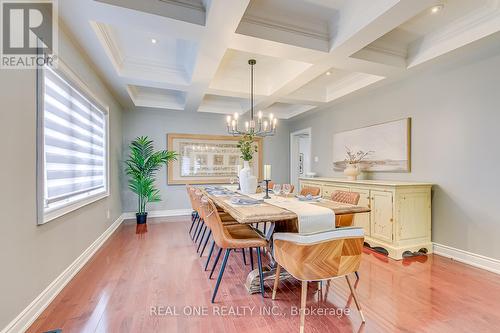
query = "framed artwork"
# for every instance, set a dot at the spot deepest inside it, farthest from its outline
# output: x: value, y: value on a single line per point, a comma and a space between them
x: 388, y: 143
x: 208, y: 159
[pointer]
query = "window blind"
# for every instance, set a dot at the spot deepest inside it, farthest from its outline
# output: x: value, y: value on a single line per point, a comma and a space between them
x: 74, y: 133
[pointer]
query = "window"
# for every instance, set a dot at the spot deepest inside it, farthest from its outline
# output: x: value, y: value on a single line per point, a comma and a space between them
x: 73, y: 153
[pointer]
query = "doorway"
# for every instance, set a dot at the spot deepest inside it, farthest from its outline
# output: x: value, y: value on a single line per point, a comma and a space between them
x: 300, y: 155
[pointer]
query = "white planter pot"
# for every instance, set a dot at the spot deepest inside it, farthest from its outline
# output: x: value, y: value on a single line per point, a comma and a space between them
x: 352, y: 171
x: 248, y: 182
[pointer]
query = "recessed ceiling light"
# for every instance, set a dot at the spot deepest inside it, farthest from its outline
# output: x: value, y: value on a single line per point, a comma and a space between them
x: 328, y: 73
x: 153, y: 40
x: 436, y: 9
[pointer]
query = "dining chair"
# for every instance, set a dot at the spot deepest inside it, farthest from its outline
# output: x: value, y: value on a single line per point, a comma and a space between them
x: 271, y: 185
x: 310, y: 190
x: 348, y: 198
x: 318, y: 257
x: 231, y: 237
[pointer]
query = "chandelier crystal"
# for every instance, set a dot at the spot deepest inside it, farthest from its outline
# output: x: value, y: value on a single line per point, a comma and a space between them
x: 262, y: 127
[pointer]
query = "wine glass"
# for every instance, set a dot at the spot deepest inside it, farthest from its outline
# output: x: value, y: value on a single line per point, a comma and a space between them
x: 287, y: 188
x: 277, y: 189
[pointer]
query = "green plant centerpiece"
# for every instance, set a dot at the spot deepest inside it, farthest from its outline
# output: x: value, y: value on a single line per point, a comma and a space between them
x: 247, y: 146
x: 141, y: 167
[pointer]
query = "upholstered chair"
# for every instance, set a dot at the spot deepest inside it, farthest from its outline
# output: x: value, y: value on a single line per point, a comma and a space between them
x: 348, y: 198
x: 319, y: 257
x: 231, y: 237
x: 310, y: 190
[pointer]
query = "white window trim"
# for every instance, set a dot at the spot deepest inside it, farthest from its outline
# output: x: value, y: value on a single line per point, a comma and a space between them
x: 46, y: 216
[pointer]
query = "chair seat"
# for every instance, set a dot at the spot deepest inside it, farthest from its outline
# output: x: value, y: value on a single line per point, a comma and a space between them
x: 243, y: 236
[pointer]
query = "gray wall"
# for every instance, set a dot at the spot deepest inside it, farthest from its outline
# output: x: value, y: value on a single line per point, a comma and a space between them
x: 32, y: 256
x: 454, y: 104
x: 157, y: 123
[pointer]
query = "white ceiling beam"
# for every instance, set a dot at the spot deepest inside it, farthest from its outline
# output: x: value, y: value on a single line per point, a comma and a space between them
x: 222, y: 20
x: 380, y: 17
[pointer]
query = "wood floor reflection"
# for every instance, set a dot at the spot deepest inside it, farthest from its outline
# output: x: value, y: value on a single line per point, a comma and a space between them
x: 151, y: 283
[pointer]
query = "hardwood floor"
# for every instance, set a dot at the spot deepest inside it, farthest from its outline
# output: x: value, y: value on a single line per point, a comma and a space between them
x: 130, y: 275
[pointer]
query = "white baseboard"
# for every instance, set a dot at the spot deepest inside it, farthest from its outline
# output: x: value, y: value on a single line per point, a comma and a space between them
x: 24, y: 320
x: 161, y: 213
x: 476, y: 260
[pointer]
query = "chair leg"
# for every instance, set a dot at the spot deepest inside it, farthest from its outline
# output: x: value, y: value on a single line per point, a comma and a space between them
x: 215, y: 263
x: 202, y: 238
x: 355, y: 299
x: 210, y: 254
x: 199, y: 232
x: 244, y: 256
x: 251, y: 257
x: 193, y: 220
x: 261, y: 275
x: 196, y: 229
x: 265, y: 227
x: 276, y: 280
x: 221, y: 272
x: 303, y: 298
x: 357, y: 275
x: 206, y: 241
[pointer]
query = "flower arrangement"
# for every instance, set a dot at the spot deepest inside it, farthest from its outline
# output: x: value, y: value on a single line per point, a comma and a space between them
x: 355, y: 158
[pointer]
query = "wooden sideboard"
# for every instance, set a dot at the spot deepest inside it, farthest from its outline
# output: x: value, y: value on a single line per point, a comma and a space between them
x: 400, y: 217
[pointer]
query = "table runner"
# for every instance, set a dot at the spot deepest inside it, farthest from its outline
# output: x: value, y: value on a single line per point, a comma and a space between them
x: 311, y: 218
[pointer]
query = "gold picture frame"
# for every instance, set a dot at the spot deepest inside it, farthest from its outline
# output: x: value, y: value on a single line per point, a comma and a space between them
x: 207, y: 159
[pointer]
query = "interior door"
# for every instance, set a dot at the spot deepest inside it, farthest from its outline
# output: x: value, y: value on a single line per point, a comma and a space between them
x: 381, y: 215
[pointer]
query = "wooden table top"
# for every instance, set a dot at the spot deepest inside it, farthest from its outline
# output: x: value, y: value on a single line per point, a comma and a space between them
x: 266, y: 212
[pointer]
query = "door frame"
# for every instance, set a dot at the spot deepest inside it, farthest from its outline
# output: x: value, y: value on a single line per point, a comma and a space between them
x: 293, y: 143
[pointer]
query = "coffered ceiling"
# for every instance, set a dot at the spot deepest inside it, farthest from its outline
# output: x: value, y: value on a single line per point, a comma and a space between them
x: 192, y: 55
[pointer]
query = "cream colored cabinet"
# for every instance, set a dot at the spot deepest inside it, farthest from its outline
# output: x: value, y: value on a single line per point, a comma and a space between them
x: 362, y: 220
x: 381, y: 217
x: 400, y: 216
x: 327, y: 190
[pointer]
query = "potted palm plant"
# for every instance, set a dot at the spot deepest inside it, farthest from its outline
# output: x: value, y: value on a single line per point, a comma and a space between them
x: 141, y: 167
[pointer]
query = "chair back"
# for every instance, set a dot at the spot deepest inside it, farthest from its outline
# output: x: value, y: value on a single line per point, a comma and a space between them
x: 346, y: 197
x: 349, y: 198
x: 320, y: 256
x: 310, y: 190
x: 190, y: 191
x: 212, y: 219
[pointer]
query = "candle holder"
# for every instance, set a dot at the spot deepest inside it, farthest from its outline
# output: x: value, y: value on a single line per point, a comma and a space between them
x: 267, y: 189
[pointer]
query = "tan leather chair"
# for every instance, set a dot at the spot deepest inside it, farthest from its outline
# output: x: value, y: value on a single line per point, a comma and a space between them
x: 310, y: 190
x: 349, y: 198
x: 318, y: 257
x: 230, y: 237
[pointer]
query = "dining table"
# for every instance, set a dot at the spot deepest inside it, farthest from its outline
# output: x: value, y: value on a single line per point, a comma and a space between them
x: 280, y: 213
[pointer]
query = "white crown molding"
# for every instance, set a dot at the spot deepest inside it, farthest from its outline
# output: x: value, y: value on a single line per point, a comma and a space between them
x: 24, y: 320
x: 473, y: 259
x: 286, y: 27
x: 193, y: 5
x: 464, y: 30
x: 110, y: 47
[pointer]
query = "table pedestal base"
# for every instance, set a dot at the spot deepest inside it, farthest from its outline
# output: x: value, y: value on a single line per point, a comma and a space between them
x: 253, y: 282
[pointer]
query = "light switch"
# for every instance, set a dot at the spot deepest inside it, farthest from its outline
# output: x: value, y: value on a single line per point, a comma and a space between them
x: 316, y: 159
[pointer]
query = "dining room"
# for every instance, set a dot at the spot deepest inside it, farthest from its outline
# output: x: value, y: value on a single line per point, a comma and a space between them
x: 250, y: 165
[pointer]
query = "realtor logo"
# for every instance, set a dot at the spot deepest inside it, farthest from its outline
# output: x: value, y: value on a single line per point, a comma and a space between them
x: 29, y: 33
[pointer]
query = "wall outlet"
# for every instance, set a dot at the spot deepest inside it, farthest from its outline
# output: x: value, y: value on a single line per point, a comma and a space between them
x: 316, y: 159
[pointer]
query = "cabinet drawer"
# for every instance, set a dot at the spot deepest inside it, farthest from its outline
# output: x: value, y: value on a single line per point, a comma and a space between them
x: 328, y: 190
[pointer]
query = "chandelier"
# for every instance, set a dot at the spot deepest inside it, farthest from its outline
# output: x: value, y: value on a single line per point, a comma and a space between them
x: 262, y: 127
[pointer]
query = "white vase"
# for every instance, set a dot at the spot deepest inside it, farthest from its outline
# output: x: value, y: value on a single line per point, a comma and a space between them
x: 248, y: 182
x: 352, y: 171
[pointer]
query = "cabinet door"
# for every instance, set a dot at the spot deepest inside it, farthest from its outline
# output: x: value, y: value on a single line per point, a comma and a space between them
x: 381, y: 215
x: 362, y: 220
x: 329, y: 189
